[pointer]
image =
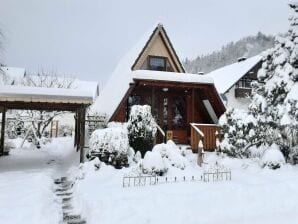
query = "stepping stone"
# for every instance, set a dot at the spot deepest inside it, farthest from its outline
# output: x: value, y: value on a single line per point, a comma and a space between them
x: 77, y: 222
x: 64, y: 194
x: 61, y: 189
x: 67, y: 207
x: 66, y: 199
x: 72, y: 218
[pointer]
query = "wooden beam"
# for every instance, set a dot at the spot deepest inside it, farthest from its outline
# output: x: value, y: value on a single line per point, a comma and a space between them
x: 82, y: 114
x: 172, y: 84
x: 2, y: 131
x: 76, y: 131
x: 19, y: 105
x: 193, y: 105
x: 153, y: 101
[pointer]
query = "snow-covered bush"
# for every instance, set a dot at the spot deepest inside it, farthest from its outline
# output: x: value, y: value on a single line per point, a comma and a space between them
x: 153, y: 163
x: 141, y: 128
x: 272, y: 157
x: 164, y: 157
x: 111, y: 146
x: 171, y: 154
x: 238, y: 132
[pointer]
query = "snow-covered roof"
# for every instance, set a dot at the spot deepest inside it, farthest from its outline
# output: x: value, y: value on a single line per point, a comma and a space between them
x: 118, y: 84
x: 41, y: 94
x: 88, y: 86
x: 170, y: 76
x: 73, y: 83
x: 225, y: 77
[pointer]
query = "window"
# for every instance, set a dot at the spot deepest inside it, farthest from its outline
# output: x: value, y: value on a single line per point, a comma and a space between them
x: 179, y: 112
x: 157, y: 63
x: 244, y: 83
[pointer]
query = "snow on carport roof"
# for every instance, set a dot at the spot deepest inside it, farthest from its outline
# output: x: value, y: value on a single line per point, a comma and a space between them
x: 225, y: 77
x: 47, y: 95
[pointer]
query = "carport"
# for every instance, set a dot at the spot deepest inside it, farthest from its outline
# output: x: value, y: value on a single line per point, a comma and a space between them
x: 47, y: 99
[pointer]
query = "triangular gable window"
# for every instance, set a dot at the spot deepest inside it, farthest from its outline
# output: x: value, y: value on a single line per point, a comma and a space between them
x: 157, y: 63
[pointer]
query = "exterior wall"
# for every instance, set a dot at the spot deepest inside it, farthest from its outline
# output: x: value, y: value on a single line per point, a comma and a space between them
x: 235, y: 102
x: 156, y: 48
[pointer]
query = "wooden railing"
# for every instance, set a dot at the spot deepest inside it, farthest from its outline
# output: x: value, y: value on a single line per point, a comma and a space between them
x: 204, y: 132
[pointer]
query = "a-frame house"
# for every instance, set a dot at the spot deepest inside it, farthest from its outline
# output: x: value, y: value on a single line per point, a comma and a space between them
x: 151, y: 73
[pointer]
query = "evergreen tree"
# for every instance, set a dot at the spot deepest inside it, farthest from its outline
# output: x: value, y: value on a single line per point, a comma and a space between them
x: 270, y: 104
x: 141, y: 128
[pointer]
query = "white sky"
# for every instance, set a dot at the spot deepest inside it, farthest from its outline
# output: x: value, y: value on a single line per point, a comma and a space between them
x: 86, y: 38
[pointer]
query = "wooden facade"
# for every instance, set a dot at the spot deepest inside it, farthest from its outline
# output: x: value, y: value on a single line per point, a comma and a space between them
x: 174, y: 105
x: 205, y: 133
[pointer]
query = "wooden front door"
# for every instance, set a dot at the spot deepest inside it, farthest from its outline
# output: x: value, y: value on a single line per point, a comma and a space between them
x: 173, y: 115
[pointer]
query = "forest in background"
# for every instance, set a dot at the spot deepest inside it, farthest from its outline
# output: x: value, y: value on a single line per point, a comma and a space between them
x: 246, y: 47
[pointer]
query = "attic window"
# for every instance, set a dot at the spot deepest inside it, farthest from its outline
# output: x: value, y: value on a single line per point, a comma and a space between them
x: 157, y: 63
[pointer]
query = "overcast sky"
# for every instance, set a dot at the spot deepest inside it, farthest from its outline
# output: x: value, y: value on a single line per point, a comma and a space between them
x: 86, y: 38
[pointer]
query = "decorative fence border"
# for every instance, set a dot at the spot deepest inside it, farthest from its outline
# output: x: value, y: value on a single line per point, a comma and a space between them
x: 213, y: 174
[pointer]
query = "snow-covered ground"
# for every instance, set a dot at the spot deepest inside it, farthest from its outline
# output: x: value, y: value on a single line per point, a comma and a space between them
x: 26, y: 182
x: 254, y: 195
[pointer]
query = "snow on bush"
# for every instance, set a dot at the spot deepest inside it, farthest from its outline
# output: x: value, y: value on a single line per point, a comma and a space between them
x: 141, y: 128
x: 238, y: 132
x: 169, y: 154
x: 272, y: 157
x: 111, y: 146
x: 172, y: 154
x: 153, y: 163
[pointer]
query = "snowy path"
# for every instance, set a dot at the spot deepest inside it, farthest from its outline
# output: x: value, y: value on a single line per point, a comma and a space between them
x: 26, y: 182
x: 64, y: 191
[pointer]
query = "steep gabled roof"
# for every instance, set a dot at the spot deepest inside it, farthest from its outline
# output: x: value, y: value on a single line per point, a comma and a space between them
x: 225, y: 77
x: 118, y: 84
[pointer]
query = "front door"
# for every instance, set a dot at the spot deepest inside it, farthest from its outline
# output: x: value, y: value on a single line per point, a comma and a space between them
x: 173, y: 115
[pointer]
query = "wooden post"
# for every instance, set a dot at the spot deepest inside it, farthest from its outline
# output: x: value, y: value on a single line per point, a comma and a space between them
x: 200, y: 153
x: 82, y: 114
x: 76, y: 130
x: 3, y: 110
x: 153, y: 101
x: 193, y: 105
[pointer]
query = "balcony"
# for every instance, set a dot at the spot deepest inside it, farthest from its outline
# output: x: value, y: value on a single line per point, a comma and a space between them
x: 242, y: 92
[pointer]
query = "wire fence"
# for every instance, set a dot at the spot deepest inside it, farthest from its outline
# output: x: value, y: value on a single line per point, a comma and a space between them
x: 212, y: 174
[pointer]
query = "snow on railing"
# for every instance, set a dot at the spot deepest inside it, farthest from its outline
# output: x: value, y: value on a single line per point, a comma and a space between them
x: 197, y: 129
x: 160, y: 130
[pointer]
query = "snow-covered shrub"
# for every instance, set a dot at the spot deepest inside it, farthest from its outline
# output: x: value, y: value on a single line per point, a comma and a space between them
x: 272, y: 157
x: 111, y: 146
x: 141, y: 128
x: 137, y: 157
x: 238, y: 132
x: 163, y: 157
x: 153, y: 163
x: 171, y: 154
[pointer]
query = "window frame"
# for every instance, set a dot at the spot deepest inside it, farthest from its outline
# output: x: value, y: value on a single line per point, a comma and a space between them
x: 159, y: 57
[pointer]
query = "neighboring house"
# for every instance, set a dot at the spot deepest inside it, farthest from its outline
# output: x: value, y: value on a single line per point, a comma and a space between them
x: 233, y: 82
x: 151, y: 73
